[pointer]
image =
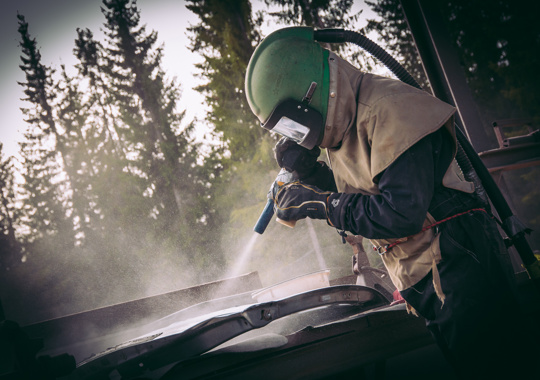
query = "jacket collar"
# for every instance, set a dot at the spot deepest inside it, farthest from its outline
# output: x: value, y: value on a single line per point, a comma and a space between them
x: 345, y: 82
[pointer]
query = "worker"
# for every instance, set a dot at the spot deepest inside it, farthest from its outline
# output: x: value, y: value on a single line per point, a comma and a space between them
x: 392, y: 178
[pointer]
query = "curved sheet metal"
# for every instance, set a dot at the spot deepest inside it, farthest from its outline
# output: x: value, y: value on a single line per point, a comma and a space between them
x: 186, y: 339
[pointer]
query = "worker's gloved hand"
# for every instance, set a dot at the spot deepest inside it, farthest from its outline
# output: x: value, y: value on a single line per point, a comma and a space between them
x: 303, y: 164
x: 295, y: 158
x: 297, y: 200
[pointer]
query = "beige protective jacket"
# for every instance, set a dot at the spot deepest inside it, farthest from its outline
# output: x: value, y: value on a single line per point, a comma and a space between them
x: 371, y: 121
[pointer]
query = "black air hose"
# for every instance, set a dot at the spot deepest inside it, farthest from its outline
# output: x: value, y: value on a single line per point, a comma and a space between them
x: 470, y: 163
x: 341, y: 35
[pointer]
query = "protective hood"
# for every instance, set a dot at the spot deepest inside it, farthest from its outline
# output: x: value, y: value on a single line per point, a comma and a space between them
x: 345, y: 82
x: 372, y: 120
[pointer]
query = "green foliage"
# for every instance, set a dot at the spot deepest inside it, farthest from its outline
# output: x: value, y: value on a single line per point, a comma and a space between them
x: 112, y: 178
x: 226, y: 37
x: 318, y: 14
x: 45, y: 208
x: 498, y: 44
x: 165, y: 154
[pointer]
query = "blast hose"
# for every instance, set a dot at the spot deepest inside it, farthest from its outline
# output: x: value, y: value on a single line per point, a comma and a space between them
x: 472, y: 166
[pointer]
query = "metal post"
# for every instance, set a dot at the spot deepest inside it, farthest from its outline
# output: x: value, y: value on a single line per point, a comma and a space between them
x: 443, y: 69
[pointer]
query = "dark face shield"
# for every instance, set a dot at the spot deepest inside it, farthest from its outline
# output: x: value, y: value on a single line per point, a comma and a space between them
x: 298, y: 122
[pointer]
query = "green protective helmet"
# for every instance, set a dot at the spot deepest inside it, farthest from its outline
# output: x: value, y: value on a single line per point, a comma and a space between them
x: 287, y: 85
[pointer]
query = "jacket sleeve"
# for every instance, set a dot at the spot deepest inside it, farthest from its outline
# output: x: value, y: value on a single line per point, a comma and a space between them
x: 406, y: 189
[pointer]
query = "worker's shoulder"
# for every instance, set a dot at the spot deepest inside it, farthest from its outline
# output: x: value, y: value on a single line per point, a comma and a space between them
x: 376, y: 88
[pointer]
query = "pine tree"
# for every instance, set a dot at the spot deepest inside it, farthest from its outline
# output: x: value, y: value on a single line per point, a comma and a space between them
x: 163, y: 153
x: 318, y: 14
x: 73, y: 115
x: 101, y: 103
x: 10, y: 247
x: 110, y: 180
x: 45, y: 185
x: 226, y: 37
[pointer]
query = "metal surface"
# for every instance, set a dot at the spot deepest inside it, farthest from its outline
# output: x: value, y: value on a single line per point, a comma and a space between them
x: 86, y: 333
x: 513, y: 152
x: 187, y: 339
x: 512, y: 157
x: 386, y: 338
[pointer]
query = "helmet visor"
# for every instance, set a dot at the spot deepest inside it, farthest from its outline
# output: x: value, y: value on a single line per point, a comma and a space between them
x: 296, y: 121
x: 291, y: 129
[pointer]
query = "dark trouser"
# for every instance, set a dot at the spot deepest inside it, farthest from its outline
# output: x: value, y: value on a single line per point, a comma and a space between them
x: 480, y: 328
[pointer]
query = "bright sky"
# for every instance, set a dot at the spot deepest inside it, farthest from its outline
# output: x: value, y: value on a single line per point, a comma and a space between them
x: 54, y: 22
